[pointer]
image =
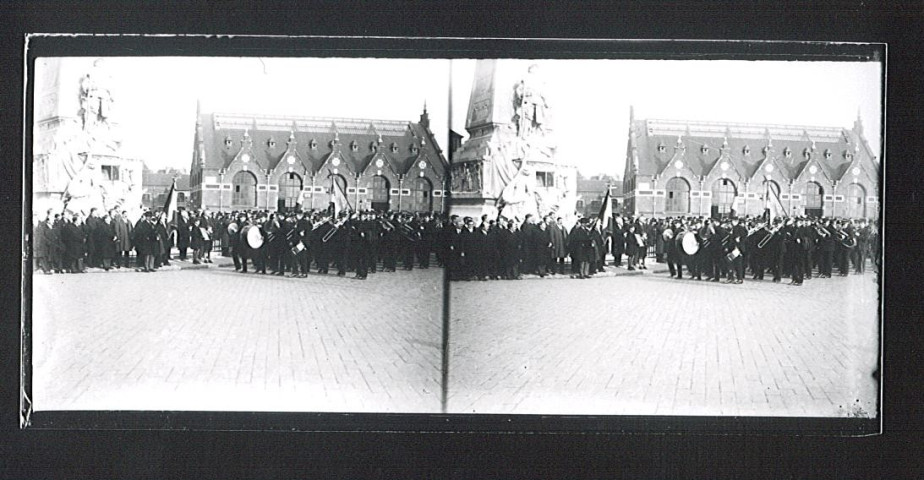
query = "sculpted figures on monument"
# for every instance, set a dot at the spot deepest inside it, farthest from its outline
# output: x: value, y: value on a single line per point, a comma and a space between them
x: 476, y: 177
x: 530, y: 105
x: 85, y: 190
x: 95, y: 98
x: 518, y: 197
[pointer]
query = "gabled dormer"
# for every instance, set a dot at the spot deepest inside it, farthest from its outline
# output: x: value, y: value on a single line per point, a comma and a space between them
x: 770, y: 167
x: 245, y: 158
x: 381, y: 164
x: 292, y: 162
x: 725, y: 167
x: 335, y: 162
x: 678, y: 162
x: 858, y: 168
x: 421, y: 166
x: 812, y: 170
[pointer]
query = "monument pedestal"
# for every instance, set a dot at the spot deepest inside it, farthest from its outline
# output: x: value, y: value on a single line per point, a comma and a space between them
x: 472, y: 205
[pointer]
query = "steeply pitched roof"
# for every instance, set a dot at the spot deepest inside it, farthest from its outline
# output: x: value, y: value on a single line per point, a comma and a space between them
x: 221, y: 136
x: 656, y: 141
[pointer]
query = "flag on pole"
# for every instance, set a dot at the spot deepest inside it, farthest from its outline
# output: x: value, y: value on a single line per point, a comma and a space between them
x: 338, y: 198
x: 773, y: 206
x: 170, y: 206
x: 605, y: 217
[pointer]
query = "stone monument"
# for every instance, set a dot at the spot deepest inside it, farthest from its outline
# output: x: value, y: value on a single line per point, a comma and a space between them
x: 78, y: 160
x: 508, y: 166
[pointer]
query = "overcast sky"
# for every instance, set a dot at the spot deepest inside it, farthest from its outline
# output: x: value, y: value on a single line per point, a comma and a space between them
x: 590, y: 98
x: 156, y: 96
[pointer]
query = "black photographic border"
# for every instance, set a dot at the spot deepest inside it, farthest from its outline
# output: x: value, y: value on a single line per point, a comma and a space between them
x: 436, y: 48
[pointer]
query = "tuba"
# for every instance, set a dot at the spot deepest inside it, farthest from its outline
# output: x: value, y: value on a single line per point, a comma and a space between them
x: 846, y: 240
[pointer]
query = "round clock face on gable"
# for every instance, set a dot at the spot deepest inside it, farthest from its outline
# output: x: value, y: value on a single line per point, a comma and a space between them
x: 813, y: 169
x: 290, y: 159
x: 768, y: 168
x: 678, y: 164
x: 245, y: 158
x: 335, y: 162
x: 380, y: 163
x: 856, y: 171
x: 422, y: 165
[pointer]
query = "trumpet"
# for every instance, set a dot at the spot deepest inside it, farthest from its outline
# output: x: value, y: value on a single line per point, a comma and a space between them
x: 822, y: 231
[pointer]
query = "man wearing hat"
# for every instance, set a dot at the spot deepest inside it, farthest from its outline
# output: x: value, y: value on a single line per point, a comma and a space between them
x: 145, y: 241
x: 320, y: 237
x: 454, y: 248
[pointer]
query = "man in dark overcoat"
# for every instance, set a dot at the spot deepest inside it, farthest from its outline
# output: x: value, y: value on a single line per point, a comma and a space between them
x: 182, y: 233
x: 558, y: 235
x: 74, y: 237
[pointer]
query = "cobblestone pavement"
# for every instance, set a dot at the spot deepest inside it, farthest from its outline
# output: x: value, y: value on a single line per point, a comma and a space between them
x: 652, y: 345
x: 215, y: 339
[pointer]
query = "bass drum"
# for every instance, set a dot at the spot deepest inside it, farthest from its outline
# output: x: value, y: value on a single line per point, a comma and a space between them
x: 689, y: 244
x: 253, y: 236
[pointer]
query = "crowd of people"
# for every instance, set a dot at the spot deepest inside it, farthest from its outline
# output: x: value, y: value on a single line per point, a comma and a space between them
x: 297, y: 243
x: 359, y: 242
x: 293, y: 243
x: 71, y: 243
x: 716, y: 250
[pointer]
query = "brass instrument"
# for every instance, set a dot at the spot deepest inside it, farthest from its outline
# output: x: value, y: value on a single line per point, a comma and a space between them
x: 330, y: 234
x: 822, y: 231
x: 387, y: 225
x: 763, y: 242
x: 846, y: 239
x: 407, y: 232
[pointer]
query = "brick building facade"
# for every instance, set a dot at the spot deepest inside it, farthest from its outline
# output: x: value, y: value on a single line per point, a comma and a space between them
x: 266, y: 162
x: 678, y: 168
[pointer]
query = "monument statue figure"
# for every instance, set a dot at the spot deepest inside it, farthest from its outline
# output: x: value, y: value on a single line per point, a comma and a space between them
x: 95, y: 97
x: 519, y: 197
x: 511, y: 124
x: 73, y: 160
x: 530, y: 104
x: 85, y: 190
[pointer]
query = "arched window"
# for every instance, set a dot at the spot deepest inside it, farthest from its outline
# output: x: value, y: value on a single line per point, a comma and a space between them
x: 856, y: 201
x: 814, y: 199
x: 723, y: 196
x: 421, y: 191
x: 290, y: 189
x: 244, y: 193
x: 380, y: 193
x: 678, y: 196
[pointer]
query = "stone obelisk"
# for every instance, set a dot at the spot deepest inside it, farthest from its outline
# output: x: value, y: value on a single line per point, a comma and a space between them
x: 78, y: 160
x: 508, y: 167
